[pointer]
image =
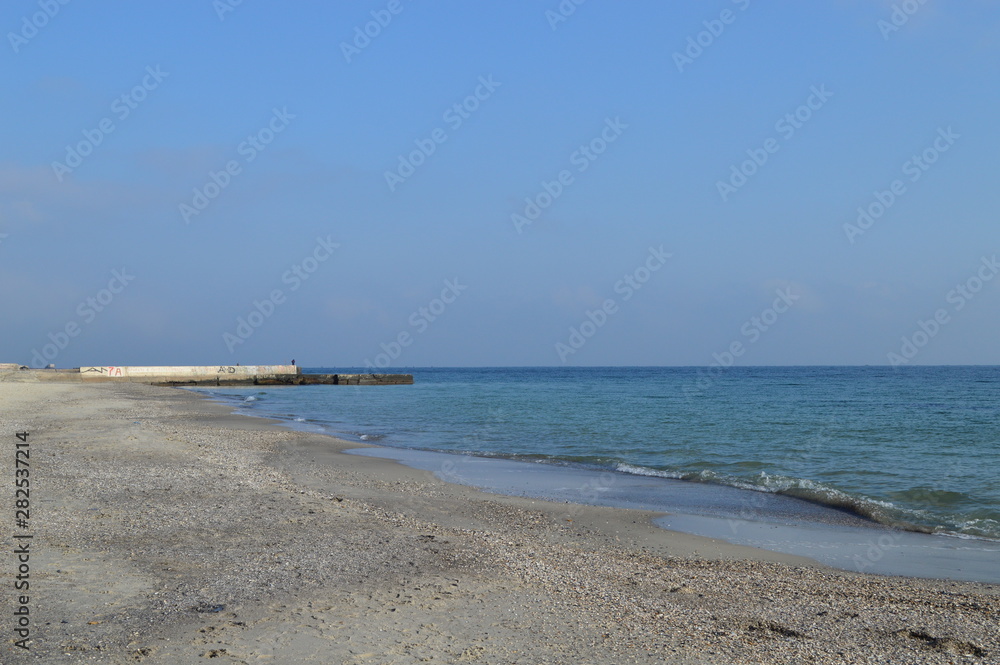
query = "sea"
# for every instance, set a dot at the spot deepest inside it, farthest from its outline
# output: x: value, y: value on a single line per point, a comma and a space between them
x: 909, y: 449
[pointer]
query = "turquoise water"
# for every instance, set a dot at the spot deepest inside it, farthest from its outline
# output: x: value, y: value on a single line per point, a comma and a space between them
x: 914, y: 447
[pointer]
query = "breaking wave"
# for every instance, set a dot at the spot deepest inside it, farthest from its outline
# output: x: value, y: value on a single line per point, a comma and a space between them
x: 880, y: 511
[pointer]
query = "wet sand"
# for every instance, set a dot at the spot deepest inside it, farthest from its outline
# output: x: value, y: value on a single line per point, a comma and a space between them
x: 167, y: 531
x: 769, y: 521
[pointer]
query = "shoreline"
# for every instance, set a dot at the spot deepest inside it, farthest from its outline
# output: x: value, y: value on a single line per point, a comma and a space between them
x: 169, y: 529
x: 805, y: 458
x: 771, y: 522
x: 826, y: 534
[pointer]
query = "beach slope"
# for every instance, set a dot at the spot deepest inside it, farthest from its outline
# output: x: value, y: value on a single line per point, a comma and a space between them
x: 166, y: 530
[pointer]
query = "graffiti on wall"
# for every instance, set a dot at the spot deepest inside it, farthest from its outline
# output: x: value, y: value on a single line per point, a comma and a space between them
x: 104, y: 371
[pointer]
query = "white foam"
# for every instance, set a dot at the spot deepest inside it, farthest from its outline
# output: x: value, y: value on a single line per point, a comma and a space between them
x: 646, y: 471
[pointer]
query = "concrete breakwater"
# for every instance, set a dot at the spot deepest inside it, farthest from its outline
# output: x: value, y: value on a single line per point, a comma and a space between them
x: 213, y: 375
x: 196, y: 375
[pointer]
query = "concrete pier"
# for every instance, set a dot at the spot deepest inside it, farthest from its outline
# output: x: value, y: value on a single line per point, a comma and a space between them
x: 196, y: 375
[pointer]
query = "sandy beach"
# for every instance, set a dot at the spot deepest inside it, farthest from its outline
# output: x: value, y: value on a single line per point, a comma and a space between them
x: 166, y: 530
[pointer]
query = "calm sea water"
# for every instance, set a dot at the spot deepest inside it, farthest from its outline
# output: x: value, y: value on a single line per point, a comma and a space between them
x: 915, y: 447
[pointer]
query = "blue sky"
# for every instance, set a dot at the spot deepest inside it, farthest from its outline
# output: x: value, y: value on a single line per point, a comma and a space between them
x: 500, y: 183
